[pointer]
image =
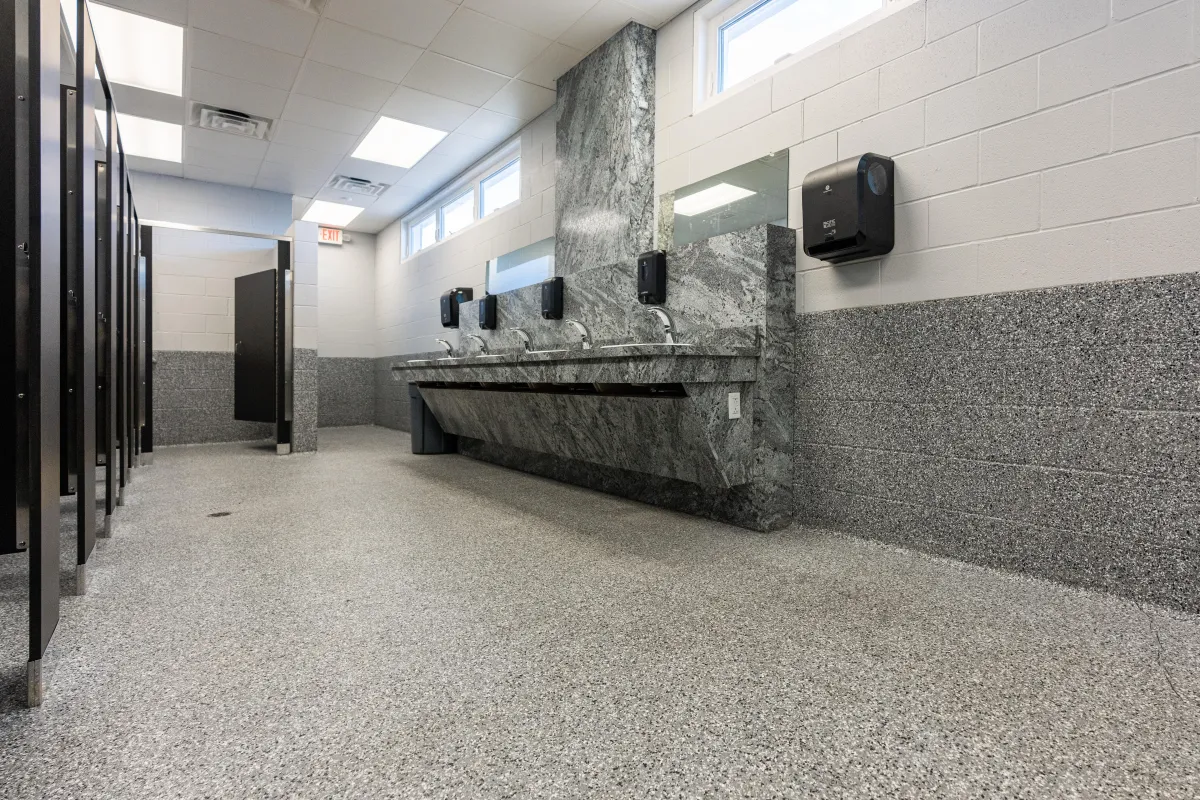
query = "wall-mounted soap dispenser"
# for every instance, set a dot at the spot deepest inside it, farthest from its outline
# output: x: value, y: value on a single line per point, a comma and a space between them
x: 487, y: 312
x: 552, y: 298
x: 450, y: 301
x: 850, y: 209
x: 652, y: 278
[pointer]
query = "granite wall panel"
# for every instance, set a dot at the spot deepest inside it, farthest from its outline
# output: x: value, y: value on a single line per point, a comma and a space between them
x: 1052, y: 432
x: 605, y: 138
x: 305, y: 402
x: 193, y: 400
x: 346, y: 392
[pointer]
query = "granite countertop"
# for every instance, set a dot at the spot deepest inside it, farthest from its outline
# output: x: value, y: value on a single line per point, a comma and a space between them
x: 636, y: 364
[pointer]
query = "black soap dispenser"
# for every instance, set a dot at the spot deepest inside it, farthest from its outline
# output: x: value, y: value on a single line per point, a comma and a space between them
x: 449, y: 303
x: 487, y: 313
x: 652, y: 278
x: 552, y: 298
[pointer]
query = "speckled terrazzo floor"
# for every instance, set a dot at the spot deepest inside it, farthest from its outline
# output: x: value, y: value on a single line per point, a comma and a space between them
x: 367, y: 623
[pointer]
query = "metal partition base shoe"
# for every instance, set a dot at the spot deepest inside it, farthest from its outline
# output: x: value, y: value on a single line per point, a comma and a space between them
x: 121, y: 496
x: 108, y: 527
x: 81, y: 579
x: 36, y: 689
x: 283, y: 449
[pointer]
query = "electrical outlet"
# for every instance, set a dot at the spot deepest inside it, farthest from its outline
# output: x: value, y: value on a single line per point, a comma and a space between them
x: 735, y: 405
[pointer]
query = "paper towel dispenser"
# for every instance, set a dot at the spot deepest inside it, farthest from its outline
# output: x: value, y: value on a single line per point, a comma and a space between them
x: 849, y: 209
x: 450, y: 301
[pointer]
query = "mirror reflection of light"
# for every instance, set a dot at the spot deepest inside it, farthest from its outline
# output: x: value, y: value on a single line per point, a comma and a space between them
x: 707, y: 199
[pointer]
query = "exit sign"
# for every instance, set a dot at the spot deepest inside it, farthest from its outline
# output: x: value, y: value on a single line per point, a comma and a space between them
x: 330, y: 236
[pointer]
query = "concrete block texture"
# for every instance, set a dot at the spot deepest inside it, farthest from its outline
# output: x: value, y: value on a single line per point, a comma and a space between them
x: 345, y: 392
x: 193, y: 400
x: 1050, y: 432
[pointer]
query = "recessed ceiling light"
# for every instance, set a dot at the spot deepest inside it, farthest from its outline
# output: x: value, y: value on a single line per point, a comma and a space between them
x: 707, y: 199
x: 150, y: 138
x: 323, y: 212
x: 139, y: 51
x: 398, y: 143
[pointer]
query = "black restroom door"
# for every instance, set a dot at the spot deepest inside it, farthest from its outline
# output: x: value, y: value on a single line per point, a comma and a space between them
x: 254, y: 329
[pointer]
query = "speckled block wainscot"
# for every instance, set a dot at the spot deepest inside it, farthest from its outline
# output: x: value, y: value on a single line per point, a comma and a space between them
x: 605, y: 138
x: 1052, y: 432
x: 305, y: 401
x: 346, y: 392
x: 193, y: 400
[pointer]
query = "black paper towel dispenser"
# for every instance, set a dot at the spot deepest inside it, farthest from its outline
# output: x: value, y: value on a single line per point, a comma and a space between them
x: 552, y: 298
x: 450, y: 301
x: 849, y: 210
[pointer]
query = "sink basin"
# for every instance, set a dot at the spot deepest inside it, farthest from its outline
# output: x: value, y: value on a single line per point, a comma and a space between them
x: 489, y: 355
x: 543, y: 352
x: 661, y: 345
x: 418, y: 361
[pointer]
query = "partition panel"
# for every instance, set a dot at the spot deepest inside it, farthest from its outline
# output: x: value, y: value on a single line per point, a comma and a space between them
x: 83, y: 345
x: 147, y: 358
x: 69, y: 321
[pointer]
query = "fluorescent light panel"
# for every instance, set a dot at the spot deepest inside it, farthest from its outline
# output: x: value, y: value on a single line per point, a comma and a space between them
x: 338, y: 215
x: 707, y: 199
x: 151, y: 138
x: 401, y: 144
x: 139, y: 51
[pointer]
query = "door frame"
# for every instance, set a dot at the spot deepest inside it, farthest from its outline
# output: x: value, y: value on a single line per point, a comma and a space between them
x: 284, y: 342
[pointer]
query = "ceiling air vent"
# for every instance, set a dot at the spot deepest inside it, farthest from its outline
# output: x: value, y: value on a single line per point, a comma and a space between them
x: 224, y: 120
x: 344, y: 183
x: 315, y: 6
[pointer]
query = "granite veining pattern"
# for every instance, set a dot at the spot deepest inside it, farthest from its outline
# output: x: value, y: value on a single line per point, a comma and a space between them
x: 566, y: 644
x: 346, y: 392
x: 193, y: 400
x: 605, y: 139
x: 1052, y: 432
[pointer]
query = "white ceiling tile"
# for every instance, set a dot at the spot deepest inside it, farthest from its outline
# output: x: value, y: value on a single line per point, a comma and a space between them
x: 342, y: 86
x: 243, y: 60
x: 172, y: 11
x: 330, y: 116
x: 521, y: 100
x: 261, y: 22
x: 370, y: 170
x: 211, y: 159
x: 597, y: 25
x: 413, y: 21
x: 657, y: 12
x: 290, y: 180
x: 302, y: 159
x: 299, y: 205
x: 139, y: 164
x: 463, y: 149
x: 370, y: 222
x: 296, y: 134
x: 349, y: 48
x: 471, y: 37
x: 237, y: 95
x: 490, y: 126
x: 335, y: 196
x: 148, y: 104
x: 455, y: 80
x: 548, y: 18
x: 225, y: 176
x: 547, y: 68
x: 425, y: 109
x: 224, y: 143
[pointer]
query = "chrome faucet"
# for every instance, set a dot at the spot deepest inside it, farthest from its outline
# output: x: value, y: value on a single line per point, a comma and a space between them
x: 482, y: 343
x: 525, y: 340
x: 449, y: 347
x: 668, y: 324
x: 584, y: 334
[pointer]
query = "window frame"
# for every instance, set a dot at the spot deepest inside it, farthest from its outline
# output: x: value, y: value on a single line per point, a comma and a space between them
x: 418, y: 223
x: 470, y: 181
x: 483, y: 182
x: 709, y: 58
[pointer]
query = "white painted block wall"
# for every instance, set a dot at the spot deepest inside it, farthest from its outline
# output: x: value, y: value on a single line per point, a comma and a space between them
x: 407, y: 291
x: 346, y: 288
x: 1037, y: 143
x: 194, y: 272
